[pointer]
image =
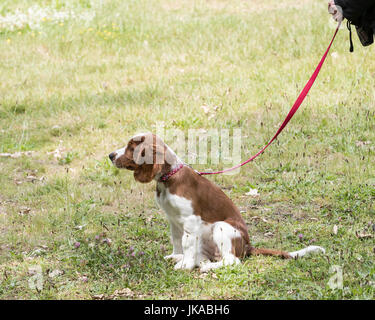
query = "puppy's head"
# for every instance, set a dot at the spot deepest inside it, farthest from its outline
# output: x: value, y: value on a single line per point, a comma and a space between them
x: 146, y: 155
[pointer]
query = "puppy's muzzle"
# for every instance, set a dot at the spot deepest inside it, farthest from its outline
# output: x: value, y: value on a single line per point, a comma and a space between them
x: 112, y: 156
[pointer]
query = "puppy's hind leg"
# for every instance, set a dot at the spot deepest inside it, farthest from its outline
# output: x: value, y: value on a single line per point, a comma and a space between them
x: 223, y: 234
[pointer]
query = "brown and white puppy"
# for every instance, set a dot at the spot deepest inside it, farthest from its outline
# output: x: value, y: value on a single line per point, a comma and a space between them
x: 207, y: 229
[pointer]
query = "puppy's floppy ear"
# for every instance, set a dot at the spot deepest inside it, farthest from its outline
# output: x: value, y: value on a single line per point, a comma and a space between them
x: 146, y: 172
x: 146, y: 155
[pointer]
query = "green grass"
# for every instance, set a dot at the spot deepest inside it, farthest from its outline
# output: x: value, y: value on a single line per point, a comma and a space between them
x: 85, y: 87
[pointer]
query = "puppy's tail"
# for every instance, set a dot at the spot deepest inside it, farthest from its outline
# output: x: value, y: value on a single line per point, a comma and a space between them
x: 308, y: 250
x: 284, y: 254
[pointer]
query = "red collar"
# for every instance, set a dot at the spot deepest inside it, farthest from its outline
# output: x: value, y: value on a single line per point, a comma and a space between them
x: 166, y: 176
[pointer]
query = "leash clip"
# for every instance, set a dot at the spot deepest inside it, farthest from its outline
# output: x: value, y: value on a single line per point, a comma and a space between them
x: 348, y: 25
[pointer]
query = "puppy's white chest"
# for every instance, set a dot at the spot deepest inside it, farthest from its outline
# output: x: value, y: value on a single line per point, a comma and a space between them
x: 179, y: 210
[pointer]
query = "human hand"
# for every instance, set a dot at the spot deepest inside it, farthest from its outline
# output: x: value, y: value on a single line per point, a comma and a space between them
x: 335, y: 11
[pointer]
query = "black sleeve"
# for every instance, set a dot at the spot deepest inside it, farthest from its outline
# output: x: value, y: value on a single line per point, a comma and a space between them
x: 354, y: 9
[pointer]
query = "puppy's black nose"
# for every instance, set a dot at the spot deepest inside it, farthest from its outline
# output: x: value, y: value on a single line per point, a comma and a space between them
x: 112, y: 156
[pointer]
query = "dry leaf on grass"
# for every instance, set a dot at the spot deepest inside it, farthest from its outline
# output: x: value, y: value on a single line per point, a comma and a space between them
x: 206, y: 109
x: 107, y: 241
x: 31, y: 178
x: 259, y: 218
x: 362, y: 143
x: 362, y: 235
x: 123, y: 293
x: 57, y: 153
x: 269, y: 234
x: 335, y: 229
x: 24, y: 211
x: 37, y: 252
x: 55, y: 273
x: 210, y: 111
x: 252, y: 192
x: 126, y: 292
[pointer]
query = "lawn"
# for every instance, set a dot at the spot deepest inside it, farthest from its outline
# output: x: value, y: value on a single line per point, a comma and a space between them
x: 79, y: 78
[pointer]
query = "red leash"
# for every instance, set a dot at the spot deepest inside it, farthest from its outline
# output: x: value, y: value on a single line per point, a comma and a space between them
x: 291, y: 113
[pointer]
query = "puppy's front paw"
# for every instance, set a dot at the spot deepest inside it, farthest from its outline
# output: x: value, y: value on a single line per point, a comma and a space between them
x: 186, y: 264
x: 174, y: 257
